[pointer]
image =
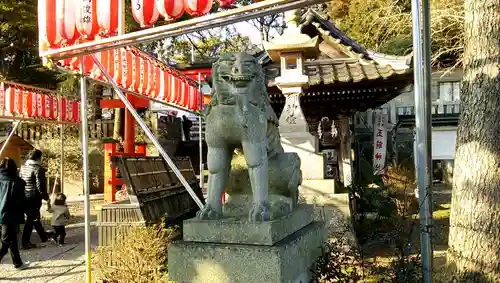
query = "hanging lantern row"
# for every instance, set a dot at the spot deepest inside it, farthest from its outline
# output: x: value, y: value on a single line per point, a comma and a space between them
x: 64, y: 22
x: 140, y: 75
x: 20, y: 102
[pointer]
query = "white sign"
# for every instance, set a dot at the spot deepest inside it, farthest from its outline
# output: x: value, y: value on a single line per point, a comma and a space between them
x: 379, y: 143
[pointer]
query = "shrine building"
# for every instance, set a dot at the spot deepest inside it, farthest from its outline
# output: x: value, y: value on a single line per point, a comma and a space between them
x: 318, y: 78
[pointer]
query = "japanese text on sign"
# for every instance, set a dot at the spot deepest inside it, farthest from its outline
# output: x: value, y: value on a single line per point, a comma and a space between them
x: 379, y: 143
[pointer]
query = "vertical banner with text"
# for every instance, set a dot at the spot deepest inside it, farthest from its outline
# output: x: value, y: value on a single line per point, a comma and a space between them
x: 379, y: 143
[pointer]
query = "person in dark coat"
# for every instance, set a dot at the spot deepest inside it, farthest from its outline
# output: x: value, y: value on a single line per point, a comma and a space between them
x: 186, y: 127
x: 36, y: 190
x: 11, y: 213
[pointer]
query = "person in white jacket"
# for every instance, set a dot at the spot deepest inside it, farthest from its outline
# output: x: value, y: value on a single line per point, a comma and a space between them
x: 60, y: 217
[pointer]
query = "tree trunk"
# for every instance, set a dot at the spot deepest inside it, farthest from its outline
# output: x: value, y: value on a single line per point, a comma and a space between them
x: 474, y: 240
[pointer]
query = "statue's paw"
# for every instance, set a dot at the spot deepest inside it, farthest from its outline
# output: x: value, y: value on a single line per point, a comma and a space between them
x: 259, y: 212
x: 209, y: 213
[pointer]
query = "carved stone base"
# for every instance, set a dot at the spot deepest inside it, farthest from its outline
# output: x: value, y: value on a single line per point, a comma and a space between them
x: 287, y: 261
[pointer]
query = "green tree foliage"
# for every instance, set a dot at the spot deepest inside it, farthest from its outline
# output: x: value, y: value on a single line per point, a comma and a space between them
x: 19, y: 60
x: 385, y: 26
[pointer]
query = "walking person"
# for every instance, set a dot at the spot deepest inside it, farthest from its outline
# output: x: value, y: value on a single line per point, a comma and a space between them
x: 60, y: 217
x: 11, y: 214
x: 186, y: 127
x: 36, y: 190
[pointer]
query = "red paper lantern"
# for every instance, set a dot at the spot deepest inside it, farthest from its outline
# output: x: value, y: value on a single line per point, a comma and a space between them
x: 170, y: 9
x: 158, y: 77
x: 27, y: 103
x: 47, y: 27
x: 116, y: 63
x: 192, y: 98
x: 47, y: 102
x: 136, y: 75
x: 86, y: 18
x: 144, y: 76
x: 178, y: 91
x: 107, y: 16
x: 184, y: 93
x: 102, y: 57
x: 198, y: 7
x: 164, y: 77
x: 66, y: 21
x: 64, y: 102
x: 126, y: 68
x: 76, y: 111
x: 39, y: 105
x: 54, y: 112
x: 18, y: 101
x: 2, y: 99
x: 145, y: 12
x: 10, y: 99
x: 69, y: 110
x: 226, y: 3
x: 151, y: 83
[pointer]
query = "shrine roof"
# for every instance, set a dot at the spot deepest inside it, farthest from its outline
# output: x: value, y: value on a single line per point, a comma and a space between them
x: 342, y: 59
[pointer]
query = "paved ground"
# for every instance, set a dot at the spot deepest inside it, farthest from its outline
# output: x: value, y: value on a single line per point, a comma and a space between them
x: 50, y: 263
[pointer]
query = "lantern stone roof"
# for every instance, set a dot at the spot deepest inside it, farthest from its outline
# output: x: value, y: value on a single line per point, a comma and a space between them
x: 342, y: 60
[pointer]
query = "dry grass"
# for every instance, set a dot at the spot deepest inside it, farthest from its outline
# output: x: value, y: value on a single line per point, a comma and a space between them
x: 140, y: 256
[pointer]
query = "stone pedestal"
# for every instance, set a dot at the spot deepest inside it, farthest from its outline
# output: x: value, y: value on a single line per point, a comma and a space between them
x: 306, y: 147
x: 232, y: 250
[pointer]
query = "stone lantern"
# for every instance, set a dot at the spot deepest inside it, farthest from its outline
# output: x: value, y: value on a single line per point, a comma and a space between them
x: 292, y: 49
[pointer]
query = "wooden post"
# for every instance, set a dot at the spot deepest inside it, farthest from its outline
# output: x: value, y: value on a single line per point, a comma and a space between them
x: 129, y: 136
x: 109, y: 172
x: 140, y: 148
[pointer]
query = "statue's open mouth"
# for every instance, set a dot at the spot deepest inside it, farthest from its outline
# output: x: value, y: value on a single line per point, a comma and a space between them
x: 238, y: 81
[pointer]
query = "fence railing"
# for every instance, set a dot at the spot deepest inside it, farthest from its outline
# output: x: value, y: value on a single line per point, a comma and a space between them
x: 98, y: 129
x: 365, y: 119
x: 194, y: 134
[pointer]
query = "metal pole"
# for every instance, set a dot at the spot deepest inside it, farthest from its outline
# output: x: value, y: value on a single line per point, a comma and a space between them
x: 200, y: 134
x: 192, y: 54
x: 85, y: 158
x: 61, y: 160
x: 9, y: 136
x: 422, y: 144
x: 148, y: 132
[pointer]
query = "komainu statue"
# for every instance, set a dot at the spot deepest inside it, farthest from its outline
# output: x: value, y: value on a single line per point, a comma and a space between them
x: 240, y: 117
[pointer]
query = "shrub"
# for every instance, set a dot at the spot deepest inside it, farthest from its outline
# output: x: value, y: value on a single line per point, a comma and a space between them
x: 238, y: 178
x: 338, y: 263
x: 139, y: 256
x: 400, y: 181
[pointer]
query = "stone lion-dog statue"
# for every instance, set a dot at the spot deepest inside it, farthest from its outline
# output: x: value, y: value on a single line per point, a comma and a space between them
x: 240, y: 116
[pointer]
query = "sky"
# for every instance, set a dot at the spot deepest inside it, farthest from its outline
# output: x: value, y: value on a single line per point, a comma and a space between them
x: 247, y: 29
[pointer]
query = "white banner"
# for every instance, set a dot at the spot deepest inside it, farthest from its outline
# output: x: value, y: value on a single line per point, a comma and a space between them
x: 379, y: 143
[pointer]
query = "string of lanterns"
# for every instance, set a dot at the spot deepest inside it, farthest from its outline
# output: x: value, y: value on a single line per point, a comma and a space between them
x: 34, y: 103
x: 133, y: 71
x: 64, y: 22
